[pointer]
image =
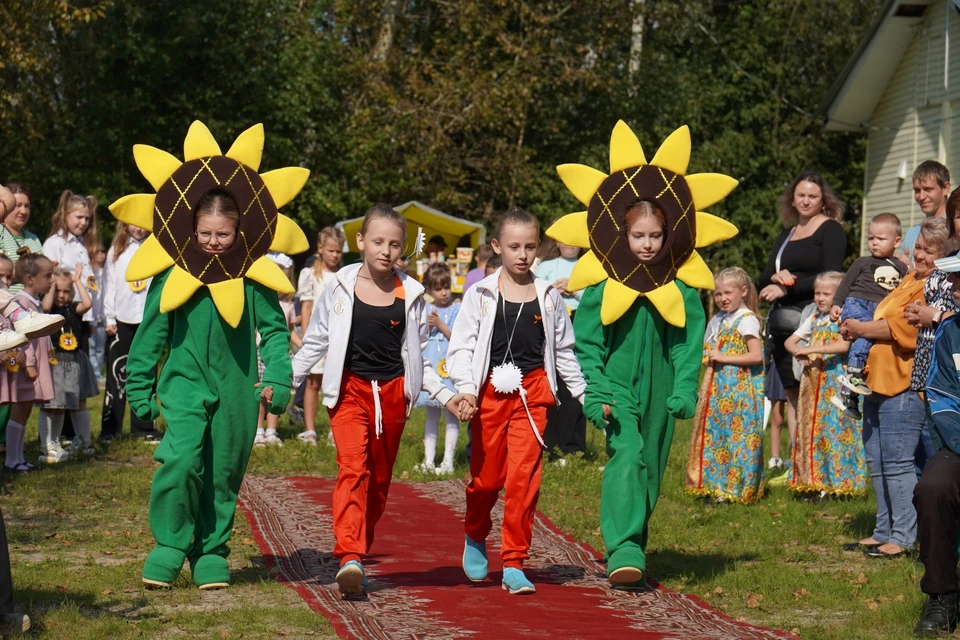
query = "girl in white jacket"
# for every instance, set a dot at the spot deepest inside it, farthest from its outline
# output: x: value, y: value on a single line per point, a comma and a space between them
x: 512, y: 335
x: 369, y: 325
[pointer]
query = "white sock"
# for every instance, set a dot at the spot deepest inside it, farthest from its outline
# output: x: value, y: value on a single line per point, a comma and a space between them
x: 14, y: 443
x: 43, y: 427
x: 259, y: 431
x: 452, y: 432
x: 81, y: 425
x: 56, y: 427
x: 270, y: 432
x: 430, y: 434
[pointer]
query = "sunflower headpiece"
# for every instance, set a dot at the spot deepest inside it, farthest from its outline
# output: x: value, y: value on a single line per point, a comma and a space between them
x: 169, y: 213
x: 602, y: 227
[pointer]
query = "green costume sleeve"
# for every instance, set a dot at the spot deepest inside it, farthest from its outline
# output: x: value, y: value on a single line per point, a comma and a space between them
x: 591, y: 349
x: 686, y: 352
x: 145, y: 353
x: 274, y: 347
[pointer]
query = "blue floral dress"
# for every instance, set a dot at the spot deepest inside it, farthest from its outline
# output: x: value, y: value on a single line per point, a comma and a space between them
x: 828, y: 455
x: 436, y: 351
x: 726, y: 450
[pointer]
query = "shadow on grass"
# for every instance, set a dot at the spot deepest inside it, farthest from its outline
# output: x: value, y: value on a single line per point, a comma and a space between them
x: 862, y: 524
x: 42, y: 602
x: 668, y: 564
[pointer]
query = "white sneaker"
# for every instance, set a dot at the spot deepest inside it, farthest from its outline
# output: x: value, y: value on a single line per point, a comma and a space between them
x: 330, y: 441
x: 445, y: 469
x: 37, y: 325
x: 79, y: 447
x: 308, y: 438
x: 10, y: 339
x: 54, y: 455
x: 775, y: 463
x: 426, y: 467
x: 273, y: 440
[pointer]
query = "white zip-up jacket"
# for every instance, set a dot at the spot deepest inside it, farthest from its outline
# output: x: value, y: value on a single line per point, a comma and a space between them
x: 120, y: 301
x: 329, y: 331
x: 468, y: 356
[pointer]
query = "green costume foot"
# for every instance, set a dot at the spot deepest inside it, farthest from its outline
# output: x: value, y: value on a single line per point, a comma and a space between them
x: 625, y: 576
x: 210, y: 572
x: 162, y: 567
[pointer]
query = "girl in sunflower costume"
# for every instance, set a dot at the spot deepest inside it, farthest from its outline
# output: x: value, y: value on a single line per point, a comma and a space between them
x: 214, y: 287
x: 726, y: 451
x: 73, y: 377
x: 640, y: 323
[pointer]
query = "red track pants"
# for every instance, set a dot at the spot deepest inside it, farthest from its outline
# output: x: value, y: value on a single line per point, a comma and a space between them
x: 365, y: 461
x: 506, y: 454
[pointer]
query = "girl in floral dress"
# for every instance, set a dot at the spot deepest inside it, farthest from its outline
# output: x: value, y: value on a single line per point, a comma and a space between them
x: 726, y: 452
x: 828, y: 456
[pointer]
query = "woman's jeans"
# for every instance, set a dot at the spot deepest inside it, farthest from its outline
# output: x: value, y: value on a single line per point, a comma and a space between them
x: 892, y: 426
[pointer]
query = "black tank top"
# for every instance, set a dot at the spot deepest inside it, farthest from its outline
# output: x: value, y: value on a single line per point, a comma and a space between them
x: 376, y: 340
x: 528, y: 340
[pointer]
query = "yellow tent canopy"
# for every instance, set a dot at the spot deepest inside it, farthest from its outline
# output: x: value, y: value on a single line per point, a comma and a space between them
x: 434, y: 223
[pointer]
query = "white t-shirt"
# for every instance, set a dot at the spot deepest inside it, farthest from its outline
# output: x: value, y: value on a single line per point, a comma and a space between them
x: 749, y: 326
x: 308, y: 287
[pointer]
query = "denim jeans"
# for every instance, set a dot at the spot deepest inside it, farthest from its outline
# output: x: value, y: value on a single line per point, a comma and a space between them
x: 862, y: 310
x: 891, y: 431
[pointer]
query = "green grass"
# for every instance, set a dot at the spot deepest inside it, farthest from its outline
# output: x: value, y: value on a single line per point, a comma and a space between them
x: 78, y: 533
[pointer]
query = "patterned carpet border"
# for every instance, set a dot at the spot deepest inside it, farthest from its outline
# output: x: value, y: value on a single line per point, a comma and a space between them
x: 294, y: 530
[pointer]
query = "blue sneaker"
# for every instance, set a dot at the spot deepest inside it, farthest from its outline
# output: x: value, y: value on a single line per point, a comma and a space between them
x: 350, y: 578
x: 475, y: 563
x: 516, y: 583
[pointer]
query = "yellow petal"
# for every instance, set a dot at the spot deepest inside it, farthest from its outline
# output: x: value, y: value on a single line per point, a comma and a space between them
x: 625, y: 149
x: 709, y: 188
x: 269, y: 274
x: 289, y: 238
x: 674, y: 153
x: 199, y: 143
x: 712, y: 229
x: 149, y: 260
x: 696, y: 273
x: 248, y: 147
x: 156, y: 165
x: 284, y: 184
x: 668, y: 300
x: 571, y: 229
x: 587, y: 272
x: 135, y: 209
x: 581, y: 180
x: 228, y: 297
x: 617, y: 300
x: 179, y: 288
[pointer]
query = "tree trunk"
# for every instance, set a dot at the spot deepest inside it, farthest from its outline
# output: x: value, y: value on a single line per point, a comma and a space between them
x: 636, y: 36
x: 388, y: 20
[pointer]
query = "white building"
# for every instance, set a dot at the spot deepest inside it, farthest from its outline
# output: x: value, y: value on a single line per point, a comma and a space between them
x: 904, y: 90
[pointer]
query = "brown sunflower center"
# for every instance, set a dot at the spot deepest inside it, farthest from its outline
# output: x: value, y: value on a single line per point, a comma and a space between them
x: 178, y: 197
x: 606, y: 220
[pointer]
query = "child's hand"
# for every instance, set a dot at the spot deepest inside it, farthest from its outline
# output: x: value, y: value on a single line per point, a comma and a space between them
x: 111, y: 329
x: 835, y: 313
x: 266, y: 394
x: 607, y: 412
x: 468, y: 407
x: 434, y: 319
x: 714, y: 356
x: 561, y: 286
x: 31, y: 373
x: 77, y: 272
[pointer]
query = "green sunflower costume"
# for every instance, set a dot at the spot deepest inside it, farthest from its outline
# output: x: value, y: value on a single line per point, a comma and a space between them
x: 203, y: 311
x: 639, y: 326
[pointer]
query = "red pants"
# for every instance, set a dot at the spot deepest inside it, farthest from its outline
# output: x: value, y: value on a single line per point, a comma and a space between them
x: 365, y: 461
x: 507, y: 455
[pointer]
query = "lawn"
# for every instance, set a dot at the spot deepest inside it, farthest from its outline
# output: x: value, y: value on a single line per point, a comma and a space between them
x: 78, y: 533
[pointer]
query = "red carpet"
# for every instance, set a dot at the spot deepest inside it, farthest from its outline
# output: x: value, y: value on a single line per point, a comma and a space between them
x: 419, y: 591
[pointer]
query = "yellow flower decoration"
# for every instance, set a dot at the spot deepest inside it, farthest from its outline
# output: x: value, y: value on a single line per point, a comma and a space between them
x: 92, y: 283
x: 442, y: 369
x: 138, y: 285
x: 602, y: 228
x: 52, y: 356
x: 12, y: 365
x: 169, y: 214
x: 68, y: 341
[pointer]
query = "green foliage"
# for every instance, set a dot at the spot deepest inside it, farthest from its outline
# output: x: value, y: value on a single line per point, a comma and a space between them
x: 466, y: 105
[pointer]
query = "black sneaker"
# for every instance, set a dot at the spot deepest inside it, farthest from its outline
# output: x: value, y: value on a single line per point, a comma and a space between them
x: 940, y: 617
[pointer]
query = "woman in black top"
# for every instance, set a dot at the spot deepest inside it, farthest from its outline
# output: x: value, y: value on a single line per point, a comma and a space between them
x: 812, y: 242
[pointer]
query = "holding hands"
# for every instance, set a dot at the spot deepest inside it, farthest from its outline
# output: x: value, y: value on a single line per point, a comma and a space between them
x: 835, y: 313
x: 463, y: 405
x: 919, y: 315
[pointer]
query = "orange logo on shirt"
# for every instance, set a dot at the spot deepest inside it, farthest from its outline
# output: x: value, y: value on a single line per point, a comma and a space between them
x: 537, y: 319
x: 394, y: 324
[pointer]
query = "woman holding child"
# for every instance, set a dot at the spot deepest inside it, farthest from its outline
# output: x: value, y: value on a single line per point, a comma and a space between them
x: 894, y: 415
